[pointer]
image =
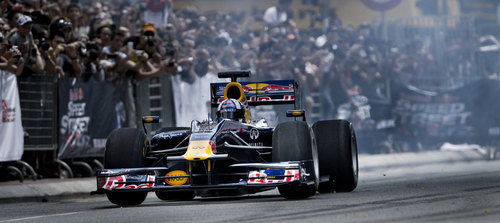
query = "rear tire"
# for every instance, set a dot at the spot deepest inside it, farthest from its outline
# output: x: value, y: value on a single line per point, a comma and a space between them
x: 175, y: 195
x: 338, y: 155
x: 125, y: 148
x: 292, y: 142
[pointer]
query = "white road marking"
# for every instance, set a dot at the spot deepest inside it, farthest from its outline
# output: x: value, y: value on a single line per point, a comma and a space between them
x: 40, y: 216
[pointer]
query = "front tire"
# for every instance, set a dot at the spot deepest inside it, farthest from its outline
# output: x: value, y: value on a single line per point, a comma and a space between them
x: 292, y: 142
x: 125, y: 148
x: 338, y: 155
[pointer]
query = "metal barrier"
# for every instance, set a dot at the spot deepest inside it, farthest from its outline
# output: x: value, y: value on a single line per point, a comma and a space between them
x: 38, y: 96
x: 38, y: 102
x: 158, y: 91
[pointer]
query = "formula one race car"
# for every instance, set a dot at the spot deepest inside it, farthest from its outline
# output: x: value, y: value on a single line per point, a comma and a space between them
x: 233, y: 155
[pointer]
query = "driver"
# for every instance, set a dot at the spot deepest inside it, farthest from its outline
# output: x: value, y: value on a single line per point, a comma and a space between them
x: 231, y: 109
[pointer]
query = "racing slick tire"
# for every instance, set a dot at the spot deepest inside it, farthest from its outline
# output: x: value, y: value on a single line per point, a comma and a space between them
x: 175, y: 195
x: 338, y: 155
x: 292, y: 142
x: 125, y: 148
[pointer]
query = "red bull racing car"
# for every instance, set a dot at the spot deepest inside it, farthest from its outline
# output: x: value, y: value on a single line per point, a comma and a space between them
x: 234, y: 154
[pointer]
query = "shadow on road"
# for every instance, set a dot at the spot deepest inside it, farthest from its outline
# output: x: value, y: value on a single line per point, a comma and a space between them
x: 155, y: 202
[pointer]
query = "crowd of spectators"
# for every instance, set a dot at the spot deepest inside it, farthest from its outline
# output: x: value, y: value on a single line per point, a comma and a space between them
x: 124, y: 41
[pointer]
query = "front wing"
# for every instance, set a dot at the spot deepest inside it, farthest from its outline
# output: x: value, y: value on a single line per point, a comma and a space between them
x: 258, y: 175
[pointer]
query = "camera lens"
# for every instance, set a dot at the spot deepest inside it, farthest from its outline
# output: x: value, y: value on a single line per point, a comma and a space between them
x: 151, y: 40
x: 83, y: 51
x: 44, y: 45
x: 93, y: 54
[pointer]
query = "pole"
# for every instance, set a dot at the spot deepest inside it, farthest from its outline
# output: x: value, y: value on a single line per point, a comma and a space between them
x: 384, y: 25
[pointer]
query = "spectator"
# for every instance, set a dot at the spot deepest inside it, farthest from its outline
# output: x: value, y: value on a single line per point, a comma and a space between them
x: 23, y: 40
x: 277, y: 15
x: 105, y: 35
x: 11, y: 59
x: 66, y: 57
x: 114, y: 56
x: 74, y: 15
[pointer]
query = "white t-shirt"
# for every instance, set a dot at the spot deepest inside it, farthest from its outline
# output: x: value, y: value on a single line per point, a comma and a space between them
x: 23, y: 44
x: 273, y: 17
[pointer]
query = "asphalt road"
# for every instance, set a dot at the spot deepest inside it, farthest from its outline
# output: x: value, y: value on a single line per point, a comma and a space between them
x: 459, y: 192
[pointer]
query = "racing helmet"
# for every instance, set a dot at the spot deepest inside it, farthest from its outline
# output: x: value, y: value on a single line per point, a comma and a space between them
x: 231, y: 109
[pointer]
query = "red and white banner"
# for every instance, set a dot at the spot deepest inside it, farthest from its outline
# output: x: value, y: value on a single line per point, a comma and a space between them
x: 11, y: 129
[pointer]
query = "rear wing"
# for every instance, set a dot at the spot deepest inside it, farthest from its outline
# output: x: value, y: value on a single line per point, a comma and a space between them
x: 259, y: 93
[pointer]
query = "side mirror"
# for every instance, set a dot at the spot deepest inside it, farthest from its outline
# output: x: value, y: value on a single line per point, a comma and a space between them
x: 297, y: 113
x: 151, y: 119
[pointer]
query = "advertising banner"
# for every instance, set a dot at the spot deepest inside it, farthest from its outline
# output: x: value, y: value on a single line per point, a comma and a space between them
x: 463, y: 114
x: 88, y: 112
x: 11, y: 129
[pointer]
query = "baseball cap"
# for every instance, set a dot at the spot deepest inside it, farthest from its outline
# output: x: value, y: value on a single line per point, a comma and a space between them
x: 148, y: 27
x: 23, y: 19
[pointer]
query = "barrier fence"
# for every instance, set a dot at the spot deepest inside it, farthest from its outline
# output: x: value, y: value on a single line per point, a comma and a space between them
x: 38, y: 94
x: 66, y: 122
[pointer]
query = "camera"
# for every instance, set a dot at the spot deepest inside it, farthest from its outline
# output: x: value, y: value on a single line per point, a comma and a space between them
x: 44, y: 45
x: 170, y: 50
x: 150, y: 40
x: 91, y: 48
x: 82, y: 50
x: 15, y: 50
x: 93, y: 54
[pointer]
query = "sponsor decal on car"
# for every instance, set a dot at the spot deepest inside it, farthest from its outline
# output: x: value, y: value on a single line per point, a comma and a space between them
x: 199, y: 150
x: 178, y: 180
x: 119, y: 182
x: 271, y: 176
x: 254, y: 133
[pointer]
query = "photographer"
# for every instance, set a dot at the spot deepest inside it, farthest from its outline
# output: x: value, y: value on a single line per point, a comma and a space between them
x: 40, y: 34
x: 145, y: 58
x: 92, y: 66
x: 114, y: 59
x: 148, y: 39
x: 66, y: 56
x: 11, y: 59
x: 169, y: 63
x: 23, y: 39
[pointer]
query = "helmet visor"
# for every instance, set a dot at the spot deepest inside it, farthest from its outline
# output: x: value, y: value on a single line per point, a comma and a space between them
x: 228, y: 114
